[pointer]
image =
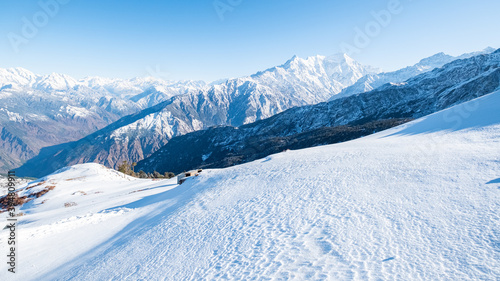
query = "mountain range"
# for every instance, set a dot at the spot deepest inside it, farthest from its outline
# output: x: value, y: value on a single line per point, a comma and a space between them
x: 375, y: 80
x: 234, y: 102
x: 193, y: 106
x: 39, y: 111
x: 335, y: 121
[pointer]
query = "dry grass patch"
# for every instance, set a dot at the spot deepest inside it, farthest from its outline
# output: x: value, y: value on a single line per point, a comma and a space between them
x: 69, y: 204
x: 79, y: 192
x: 38, y: 184
x: 72, y: 179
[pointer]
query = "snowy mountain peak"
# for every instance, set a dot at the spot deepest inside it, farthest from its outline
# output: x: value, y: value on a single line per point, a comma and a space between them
x: 292, y: 63
x: 436, y: 60
x: 488, y: 50
x: 21, y: 72
x: 339, y: 68
x: 17, y: 76
x: 56, y: 81
x: 345, y: 69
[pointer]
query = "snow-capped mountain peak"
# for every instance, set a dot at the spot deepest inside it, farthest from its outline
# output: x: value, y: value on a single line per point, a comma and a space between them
x: 334, y: 72
x: 345, y: 69
x: 16, y: 77
x: 56, y: 81
x: 434, y: 61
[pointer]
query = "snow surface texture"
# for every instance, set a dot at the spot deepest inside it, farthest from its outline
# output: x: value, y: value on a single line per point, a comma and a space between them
x: 416, y: 202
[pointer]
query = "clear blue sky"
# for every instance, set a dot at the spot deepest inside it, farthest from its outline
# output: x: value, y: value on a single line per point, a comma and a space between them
x: 189, y: 40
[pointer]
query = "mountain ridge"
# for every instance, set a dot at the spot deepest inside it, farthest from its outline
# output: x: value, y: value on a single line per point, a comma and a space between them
x: 457, y: 82
x: 372, y: 81
x: 234, y: 102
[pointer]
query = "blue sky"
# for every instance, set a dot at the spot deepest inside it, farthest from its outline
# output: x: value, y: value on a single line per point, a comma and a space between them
x: 181, y: 39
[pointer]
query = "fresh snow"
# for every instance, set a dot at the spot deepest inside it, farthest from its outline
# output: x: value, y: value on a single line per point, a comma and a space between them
x: 416, y: 202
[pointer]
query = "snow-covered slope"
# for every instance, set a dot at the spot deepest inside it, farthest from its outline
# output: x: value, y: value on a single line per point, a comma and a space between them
x: 416, y: 202
x: 372, y: 81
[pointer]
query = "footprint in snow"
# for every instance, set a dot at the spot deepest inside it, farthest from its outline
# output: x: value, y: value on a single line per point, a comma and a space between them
x: 389, y: 259
x: 266, y: 159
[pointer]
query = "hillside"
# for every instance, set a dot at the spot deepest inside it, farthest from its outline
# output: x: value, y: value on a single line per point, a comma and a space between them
x: 416, y: 202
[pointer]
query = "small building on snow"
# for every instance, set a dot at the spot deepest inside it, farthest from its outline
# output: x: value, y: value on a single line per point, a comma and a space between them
x: 183, y: 176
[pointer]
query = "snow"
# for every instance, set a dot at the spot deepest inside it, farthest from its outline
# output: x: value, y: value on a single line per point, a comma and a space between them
x: 76, y: 111
x: 56, y: 81
x: 481, y: 112
x: 315, y: 78
x: 416, y: 202
x: 4, y: 181
x: 16, y: 76
x: 162, y: 122
x: 97, y: 199
x: 13, y: 116
x: 206, y: 156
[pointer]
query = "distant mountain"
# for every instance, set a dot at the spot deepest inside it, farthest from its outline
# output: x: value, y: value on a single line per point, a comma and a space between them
x: 38, y: 111
x: 338, y: 120
x: 234, y: 102
x: 372, y: 81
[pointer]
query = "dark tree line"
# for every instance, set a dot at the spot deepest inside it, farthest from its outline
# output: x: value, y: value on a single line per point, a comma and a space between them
x: 128, y: 169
